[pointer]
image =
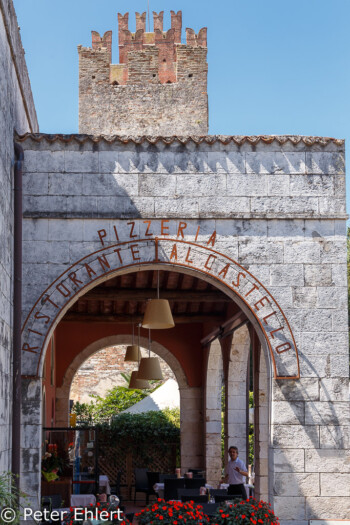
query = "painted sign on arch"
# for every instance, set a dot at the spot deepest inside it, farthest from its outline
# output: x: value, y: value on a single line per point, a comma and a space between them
x: 177, y: 252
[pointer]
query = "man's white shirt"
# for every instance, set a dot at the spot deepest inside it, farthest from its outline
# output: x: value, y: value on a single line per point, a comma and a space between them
x: 234, y: 477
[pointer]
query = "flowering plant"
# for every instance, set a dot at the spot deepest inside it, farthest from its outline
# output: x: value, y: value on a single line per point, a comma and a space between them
x: 104, y: 512
x: 51, y: 464
x: 173, y: 513
x: 246, y: 512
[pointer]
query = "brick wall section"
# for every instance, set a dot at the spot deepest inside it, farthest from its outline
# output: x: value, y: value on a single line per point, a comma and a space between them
x: 102, y: 371
x: 16, y: 113
x: 158, y: 88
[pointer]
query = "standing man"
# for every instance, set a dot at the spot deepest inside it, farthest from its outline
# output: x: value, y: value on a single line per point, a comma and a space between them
x: 235, y: 473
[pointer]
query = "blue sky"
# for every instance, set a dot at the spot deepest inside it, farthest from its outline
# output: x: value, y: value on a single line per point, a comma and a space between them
x: 275, y: 66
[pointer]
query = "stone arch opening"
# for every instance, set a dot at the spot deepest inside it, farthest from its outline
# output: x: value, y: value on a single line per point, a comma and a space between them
x: 107, y: 369
x: 279, y: 362
x: 192, y: 450
x: 62, y: 393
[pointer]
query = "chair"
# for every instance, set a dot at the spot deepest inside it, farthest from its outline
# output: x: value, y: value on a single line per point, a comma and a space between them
x: 115, y: 487
x: 153, y: 478
x: 218, y: 492
x: 197, y: 472
x: 141, y: 483
x: 171, y: 486
x: 53, y: 501
x: 197, y: 499
x: 187, y: 492
x: 226, y: 497
x: 194, y: 483
x: 162, y: 477
x: 129, y: 516
x: 210, y: 508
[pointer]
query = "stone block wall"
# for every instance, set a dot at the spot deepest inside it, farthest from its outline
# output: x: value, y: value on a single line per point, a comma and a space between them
x: 277, y: 205
x: 16, y: 113
x: 159, y: 87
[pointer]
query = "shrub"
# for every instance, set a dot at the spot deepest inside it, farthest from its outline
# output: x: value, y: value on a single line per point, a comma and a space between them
x: 9, y: 499
x: 246, y: 512
x: 102, y: 409
x: 173, y: 513
x: 150, y: 426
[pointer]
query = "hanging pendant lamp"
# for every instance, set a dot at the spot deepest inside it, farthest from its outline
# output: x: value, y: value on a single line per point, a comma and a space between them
x: 138, y: 384
x: 132, y: 353
x: 150, y: 366
x: 135, y: 382
x: 158, y: 314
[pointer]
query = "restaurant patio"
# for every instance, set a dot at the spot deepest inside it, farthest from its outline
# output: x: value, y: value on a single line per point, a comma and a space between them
x: 215, y: 355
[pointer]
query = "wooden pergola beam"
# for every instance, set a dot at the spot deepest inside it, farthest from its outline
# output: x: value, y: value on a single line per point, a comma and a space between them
x: 123, y: 318
x: 135, y: 294
x: 226, y: 328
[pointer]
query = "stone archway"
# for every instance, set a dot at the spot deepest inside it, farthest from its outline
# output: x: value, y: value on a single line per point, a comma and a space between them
x: 190, y: 398
x: 280, y: 349
x: 62, y: 392
x: 223, y: 272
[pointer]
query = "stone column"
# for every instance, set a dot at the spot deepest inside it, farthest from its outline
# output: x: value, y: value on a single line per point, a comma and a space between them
x: 261, y: 431
x: 237, y: 401
x: 62, y: 407
x: 31, y: 429
x: 213, y: 414
x: 191, y: 407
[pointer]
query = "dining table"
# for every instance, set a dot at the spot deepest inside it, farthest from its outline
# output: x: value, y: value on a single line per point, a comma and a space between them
x: 103, y: 484
x: 82, y: 500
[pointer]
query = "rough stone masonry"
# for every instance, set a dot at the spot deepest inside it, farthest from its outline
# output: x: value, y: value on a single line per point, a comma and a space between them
x: 159, y: 87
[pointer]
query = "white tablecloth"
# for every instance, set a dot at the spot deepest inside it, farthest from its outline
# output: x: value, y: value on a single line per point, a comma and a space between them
x: 103, y: 483
x: 82, y: 500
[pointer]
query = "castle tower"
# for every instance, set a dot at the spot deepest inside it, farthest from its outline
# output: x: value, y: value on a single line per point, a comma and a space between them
x: 159, y: 86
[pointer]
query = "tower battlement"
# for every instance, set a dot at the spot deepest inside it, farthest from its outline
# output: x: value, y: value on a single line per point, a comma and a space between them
x: 150, y: 60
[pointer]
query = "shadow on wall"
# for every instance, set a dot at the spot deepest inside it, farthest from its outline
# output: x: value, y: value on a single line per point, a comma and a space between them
x: 77, y: 178
x: 82, y: 180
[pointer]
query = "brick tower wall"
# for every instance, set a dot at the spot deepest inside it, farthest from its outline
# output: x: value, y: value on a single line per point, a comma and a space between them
x: 158, y: 88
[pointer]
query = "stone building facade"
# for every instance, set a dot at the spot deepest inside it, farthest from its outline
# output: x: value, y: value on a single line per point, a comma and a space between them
x: 17, y: 113
x: 158, y: 88
x: 277, y: 207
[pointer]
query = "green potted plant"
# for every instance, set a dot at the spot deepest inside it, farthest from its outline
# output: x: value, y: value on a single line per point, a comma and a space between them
x: 173, y: 513
x: 246, y: 512
x: 51, y: 465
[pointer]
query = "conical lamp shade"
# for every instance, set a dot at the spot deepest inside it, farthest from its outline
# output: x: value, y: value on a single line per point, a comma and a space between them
x: 158, y: 315
x: 150, y: 368
x: 132, y: 353
x: 136, y: 383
